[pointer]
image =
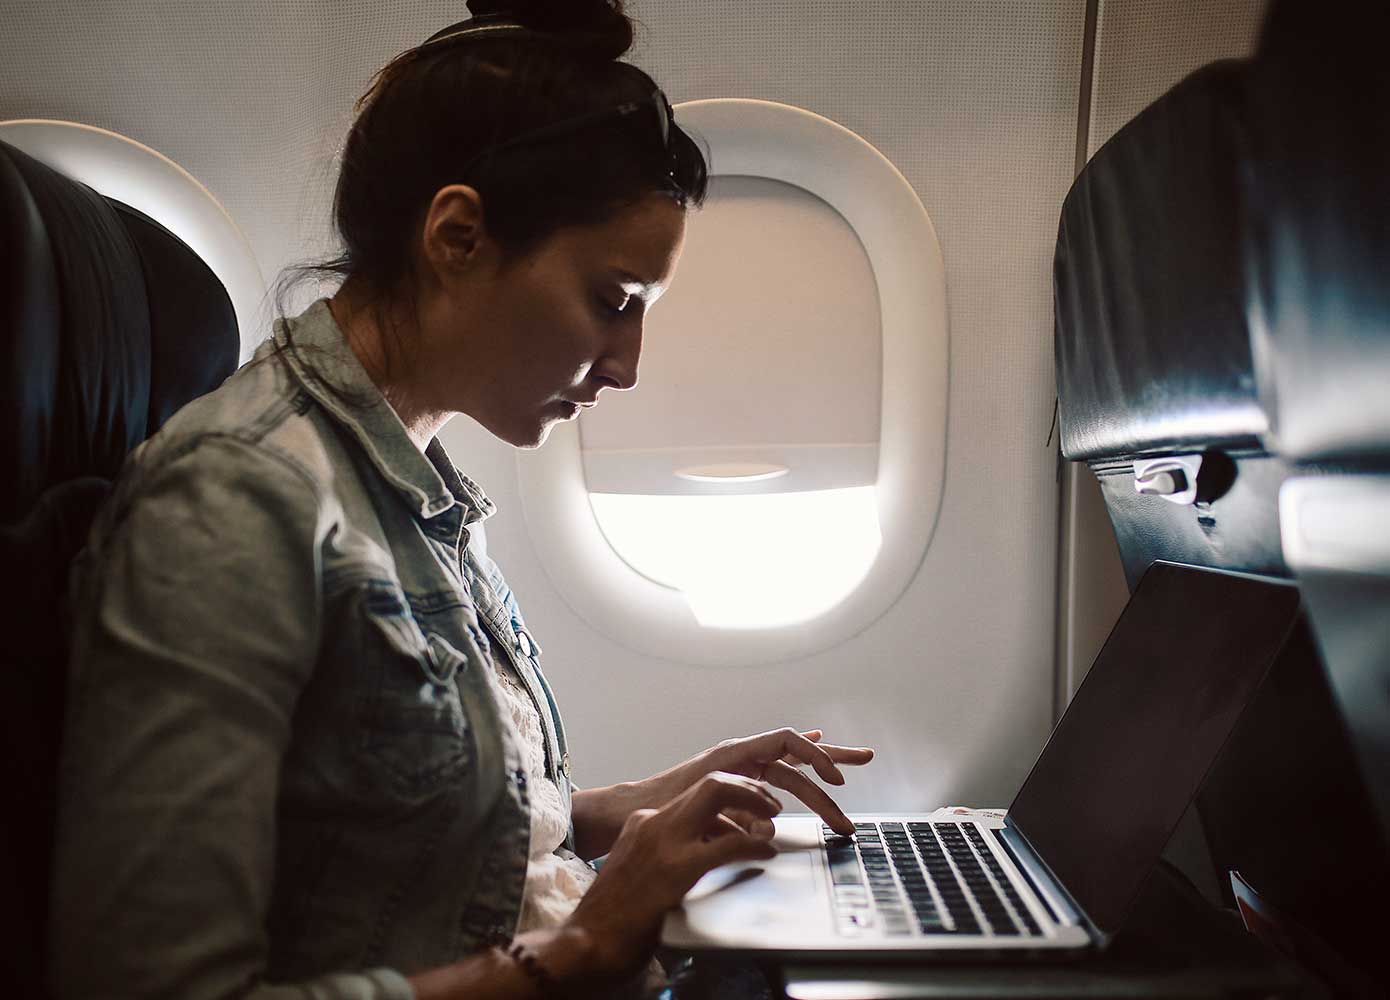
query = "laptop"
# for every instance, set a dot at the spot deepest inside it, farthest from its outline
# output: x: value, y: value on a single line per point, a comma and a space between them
x: 1056, y: 874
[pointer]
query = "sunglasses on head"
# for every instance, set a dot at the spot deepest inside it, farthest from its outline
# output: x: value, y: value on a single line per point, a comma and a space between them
x: 656, y: 105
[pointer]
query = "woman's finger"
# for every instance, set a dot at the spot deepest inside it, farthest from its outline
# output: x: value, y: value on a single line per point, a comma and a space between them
x: 839, y: 754
x: 731, y: 848
x: 719, y: 792
x: 853, y: 756
x: 724, y: 825
x: 759, y: 827
x: 848, y: 755
x: 785, y: 743
x: 783, y: 775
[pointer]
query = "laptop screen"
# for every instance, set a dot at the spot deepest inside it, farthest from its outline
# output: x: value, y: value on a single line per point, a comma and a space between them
x: 1145, y: 726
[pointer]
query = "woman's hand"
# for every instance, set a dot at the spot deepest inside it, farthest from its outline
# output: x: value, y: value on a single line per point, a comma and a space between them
x: 658, y: 856
x: 773, y: 757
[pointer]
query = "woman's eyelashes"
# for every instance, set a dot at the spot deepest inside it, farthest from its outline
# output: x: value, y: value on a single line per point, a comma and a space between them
x: 617, y: 306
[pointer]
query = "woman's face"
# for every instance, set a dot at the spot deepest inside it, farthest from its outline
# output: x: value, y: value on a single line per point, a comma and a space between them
x: 523, y: 343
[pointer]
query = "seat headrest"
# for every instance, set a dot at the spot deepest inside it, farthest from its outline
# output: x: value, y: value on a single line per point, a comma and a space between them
x: 1152, y: 349
x: 110, y: 324
x: 1317, y: 230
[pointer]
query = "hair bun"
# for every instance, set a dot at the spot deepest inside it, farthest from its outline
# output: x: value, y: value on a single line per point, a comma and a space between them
x: 488, y: 8
x: 597, y: 27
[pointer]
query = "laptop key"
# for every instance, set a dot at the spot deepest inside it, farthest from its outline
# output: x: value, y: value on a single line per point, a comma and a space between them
x: 845, y: 872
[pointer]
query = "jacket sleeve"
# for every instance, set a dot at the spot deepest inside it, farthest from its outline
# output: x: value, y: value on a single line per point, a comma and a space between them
x: 195, y: 620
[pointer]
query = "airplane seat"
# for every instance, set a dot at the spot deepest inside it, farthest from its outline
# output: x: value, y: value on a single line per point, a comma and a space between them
x: 1158, y: 395
x: 1155, y: 383
x: 110, y: 324
x: 1317, y: 247
x: 1316, y: 257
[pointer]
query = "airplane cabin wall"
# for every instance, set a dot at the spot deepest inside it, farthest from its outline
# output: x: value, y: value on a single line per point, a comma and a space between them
x: 976, y: 104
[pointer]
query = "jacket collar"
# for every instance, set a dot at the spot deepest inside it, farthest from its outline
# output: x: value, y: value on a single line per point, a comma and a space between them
x: 317, y: 352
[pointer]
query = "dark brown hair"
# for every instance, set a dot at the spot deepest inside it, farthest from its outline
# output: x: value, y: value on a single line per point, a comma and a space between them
x: 436, y: 114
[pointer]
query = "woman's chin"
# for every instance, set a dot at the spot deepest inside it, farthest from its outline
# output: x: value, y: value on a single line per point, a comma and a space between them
x: 527, y: 434
x: 541, y: 436
x: 531, y: 437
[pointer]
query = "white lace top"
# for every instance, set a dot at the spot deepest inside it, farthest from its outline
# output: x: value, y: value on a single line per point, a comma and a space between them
x: 555, y: 877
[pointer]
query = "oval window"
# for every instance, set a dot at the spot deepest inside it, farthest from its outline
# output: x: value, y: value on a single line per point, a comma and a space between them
x: 772, y: 488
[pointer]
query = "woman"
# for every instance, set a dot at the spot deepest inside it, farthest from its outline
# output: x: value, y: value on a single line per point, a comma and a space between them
x: 307, y: 733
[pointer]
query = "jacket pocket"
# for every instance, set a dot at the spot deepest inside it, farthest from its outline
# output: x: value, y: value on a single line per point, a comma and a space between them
x: 415, y: 734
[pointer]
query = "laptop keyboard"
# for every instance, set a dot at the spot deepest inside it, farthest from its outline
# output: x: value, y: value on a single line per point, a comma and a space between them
x: 905, y: 879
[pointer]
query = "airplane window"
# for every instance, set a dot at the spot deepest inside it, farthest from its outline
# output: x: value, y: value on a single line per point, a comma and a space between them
x: 771, y: 488
x: 757, y: 422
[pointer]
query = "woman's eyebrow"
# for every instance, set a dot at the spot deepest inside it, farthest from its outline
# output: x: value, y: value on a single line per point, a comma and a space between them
x: 628, y: 278
x: 638, y: 287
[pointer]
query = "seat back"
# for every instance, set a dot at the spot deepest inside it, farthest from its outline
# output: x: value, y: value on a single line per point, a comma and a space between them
x: 1317, y: 245
x: 1155, y: 380
x: 108, y: 324
x: 1158, y: 394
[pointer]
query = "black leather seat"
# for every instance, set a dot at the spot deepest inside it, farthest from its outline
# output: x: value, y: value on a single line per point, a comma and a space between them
x: 1158, y: 394
x: 1317, y: 246
x: 1154, y: 370
x: 110, y: 323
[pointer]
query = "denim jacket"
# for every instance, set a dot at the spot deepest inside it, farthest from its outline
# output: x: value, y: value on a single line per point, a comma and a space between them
x: 284, y: 770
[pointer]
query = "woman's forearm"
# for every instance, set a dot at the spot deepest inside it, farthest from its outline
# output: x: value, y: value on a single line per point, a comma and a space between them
x: 599, y: 815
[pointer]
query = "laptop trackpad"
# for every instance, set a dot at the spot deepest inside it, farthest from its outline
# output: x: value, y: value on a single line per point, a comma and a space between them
x: 781, y: 899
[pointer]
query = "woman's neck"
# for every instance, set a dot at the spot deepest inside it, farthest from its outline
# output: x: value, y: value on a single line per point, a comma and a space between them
x: 362, y: 329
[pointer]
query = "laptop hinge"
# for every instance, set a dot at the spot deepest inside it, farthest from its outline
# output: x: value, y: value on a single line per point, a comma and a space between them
x: 1038, y: 877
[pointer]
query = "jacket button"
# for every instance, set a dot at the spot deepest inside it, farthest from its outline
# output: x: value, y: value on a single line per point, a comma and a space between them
x: 520, y: 776
x: 565, y: 765
x: 523, y: 642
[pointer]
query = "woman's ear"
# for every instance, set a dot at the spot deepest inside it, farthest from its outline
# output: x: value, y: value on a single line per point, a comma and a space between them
x: 453, y: 235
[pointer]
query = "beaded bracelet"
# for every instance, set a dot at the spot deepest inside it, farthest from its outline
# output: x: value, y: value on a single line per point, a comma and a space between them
x: 531, y: 965
x: 525, y: 961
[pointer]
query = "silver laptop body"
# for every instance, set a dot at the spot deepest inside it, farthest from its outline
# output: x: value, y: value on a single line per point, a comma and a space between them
x: 1057, y: 874
x: 942, y: 884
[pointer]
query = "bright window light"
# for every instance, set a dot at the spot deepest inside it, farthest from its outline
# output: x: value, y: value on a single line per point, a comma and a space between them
x: 748, y: 561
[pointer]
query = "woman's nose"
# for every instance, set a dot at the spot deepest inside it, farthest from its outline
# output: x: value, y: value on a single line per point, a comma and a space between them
x: 618, y: 368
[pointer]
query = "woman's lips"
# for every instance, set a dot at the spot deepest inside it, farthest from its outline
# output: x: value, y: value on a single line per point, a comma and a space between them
x: 569, y: 410
x: 572, y: 407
